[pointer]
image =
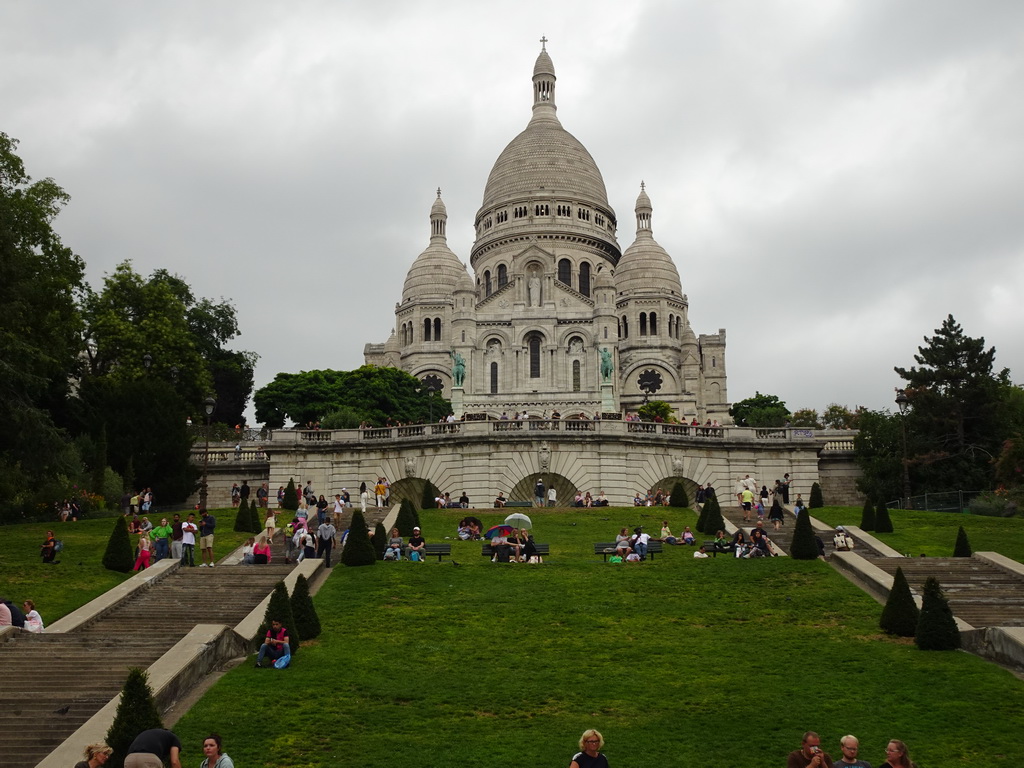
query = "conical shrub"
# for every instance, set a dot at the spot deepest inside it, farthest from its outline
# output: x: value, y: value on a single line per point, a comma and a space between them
x: 867, y: 516
x: 426, y: 500
x: 291, y: 498
x: 136, y: 712
x: 936, y: 629
x: 963, y: 546
x: 280, y: 609
x: 900, y: 614
x: 816, y: 501
x: 379, y: 540
x: 713, y: 521
x: 408, y: 518
x: 307, y: 622
x: 703, y: 516
x: 678, y: 498
x: 883, y: 523
x: 358, y: 549
x: 804, y: 546
x: 256, y: 518
x: 119, y: 556
x: 242, y: 517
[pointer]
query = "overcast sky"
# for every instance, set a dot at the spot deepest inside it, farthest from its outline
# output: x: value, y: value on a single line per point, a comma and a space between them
x: 832, y: 178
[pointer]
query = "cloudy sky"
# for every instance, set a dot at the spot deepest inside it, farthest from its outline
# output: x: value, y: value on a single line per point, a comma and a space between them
x: 832, y: 177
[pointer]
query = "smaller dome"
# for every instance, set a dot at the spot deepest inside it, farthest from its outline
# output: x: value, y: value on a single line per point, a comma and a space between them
x: 437, y: 270
x: 438, y: 208
x: 646, y: 267
x: 605, y: 278
x: 465, y: 283
x: 544, y: 65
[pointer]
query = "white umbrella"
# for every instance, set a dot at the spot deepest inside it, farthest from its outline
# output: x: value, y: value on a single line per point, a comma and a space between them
x: 519, y: 520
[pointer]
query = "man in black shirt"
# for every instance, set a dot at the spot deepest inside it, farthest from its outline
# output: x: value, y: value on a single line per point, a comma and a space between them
x: 151, y: 748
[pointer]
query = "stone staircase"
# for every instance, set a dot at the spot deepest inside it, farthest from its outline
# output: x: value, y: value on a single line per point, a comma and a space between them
x: 981, y: 594
x: 72, y: 675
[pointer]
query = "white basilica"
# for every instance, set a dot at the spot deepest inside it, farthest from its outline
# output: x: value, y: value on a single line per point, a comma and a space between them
x: 552, y: 300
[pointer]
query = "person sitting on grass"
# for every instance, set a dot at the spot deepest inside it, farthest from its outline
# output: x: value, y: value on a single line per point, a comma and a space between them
x: 740, y: 546
x: 275, y: 645
x: 464, y: 533
x: 214, y: 756
x: 688, y: 536
x: 666, y: 534
x: 700, y: 553
x: 759, y: 544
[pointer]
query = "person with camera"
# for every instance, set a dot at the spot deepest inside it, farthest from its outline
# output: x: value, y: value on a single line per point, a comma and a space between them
x: 810, y: 754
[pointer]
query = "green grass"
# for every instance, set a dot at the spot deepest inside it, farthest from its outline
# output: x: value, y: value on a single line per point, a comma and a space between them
x: 677, y: 661
x: 80, y: 576
x: 934, y: 533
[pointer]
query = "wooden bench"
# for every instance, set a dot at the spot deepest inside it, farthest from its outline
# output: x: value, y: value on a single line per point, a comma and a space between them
x: 602, y: 548
x: 712, y: 549
x: 438, y: 550
x: 542, y: 549
x: 517, y: 504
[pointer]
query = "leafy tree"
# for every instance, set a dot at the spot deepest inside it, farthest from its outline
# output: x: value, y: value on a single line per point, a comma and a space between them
x: 375, y: 393
x: 408, y: 518
x: 118, y: 556
x: 900, y: 615
x: 760, y: 411
x: 307, y: 622
x: 656, y: 410
x: 678, y: 498
x: 804, y: 546
x: 379, y: 540
x: 879, y: 454
x: 242, y: 516
x: 963, y: 546
x: 136, y: 712
x: 806, y: 418
x: 816, y: 501
x: 358, y: 549
x: 40, y: 329
x: 867, y: 516
x: 713, y: 520
x: 959, y: 410
x: 883, y: 523
x: 837, y: 416
x: 280, y: 609
x: 936, y: 629
x: 291, y: 498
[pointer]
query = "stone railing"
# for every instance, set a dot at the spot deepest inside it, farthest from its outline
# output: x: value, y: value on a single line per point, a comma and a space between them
x: 220, y: 454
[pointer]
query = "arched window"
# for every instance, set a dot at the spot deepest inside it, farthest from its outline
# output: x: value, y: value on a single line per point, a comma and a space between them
x: 565, y: 272
x: 575, y: 375
x: 437, y: 329
x: 624, y: 328
x: 426, y: 329
x: 494, y: 378
x: 643, y: 323
x: 585, y: 278
x: 502, y: 276
x: 654, y: 323
x: 487, y: 283
x: 533, y: 342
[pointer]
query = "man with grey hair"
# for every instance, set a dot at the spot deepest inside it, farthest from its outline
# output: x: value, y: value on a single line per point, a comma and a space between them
x: 849, y: 745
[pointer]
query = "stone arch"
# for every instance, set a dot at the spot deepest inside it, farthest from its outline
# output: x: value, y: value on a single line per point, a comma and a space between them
x: 494, y: 333
x: 585, y: 335
x: 523, y: 490
x: 667, y: 483
x: 410, y: 488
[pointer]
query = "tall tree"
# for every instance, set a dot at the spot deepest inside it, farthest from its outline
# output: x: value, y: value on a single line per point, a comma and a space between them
x: 760, y: 411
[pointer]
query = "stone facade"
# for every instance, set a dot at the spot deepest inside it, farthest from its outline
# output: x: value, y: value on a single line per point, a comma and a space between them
x: 554, y: 299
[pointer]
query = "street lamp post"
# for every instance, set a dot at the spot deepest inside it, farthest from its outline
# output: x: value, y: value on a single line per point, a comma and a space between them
x: 208, y: 404
x: 903, y: 401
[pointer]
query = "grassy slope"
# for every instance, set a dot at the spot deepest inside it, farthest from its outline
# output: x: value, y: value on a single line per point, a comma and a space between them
x: 80, y: 576
x: 934, y: 533
x: 679, y: 661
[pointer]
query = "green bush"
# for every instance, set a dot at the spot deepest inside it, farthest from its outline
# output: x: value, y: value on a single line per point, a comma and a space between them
x: 408, y: 518
x: 990, y: 505
x: 963, y: 546
x: 256, y: 517
x: 678, y: 498
x: 379, y: 540
x: 119, y: 555
x: 430, y: 493
x: 113, y: 487
x: 703, y: 516
x: 900, y: 615
x: 883, y: 523
x: 804, y: 546
x: 867, y: 516
x: 291, y: 499
x: 307, y: 622
x: 280, y: 609
x: 136, y: 712
x: 816, y: 502
x: 713, y: 519
x: 936, y: 629
x: 358, y: 549
x: 242, y: 516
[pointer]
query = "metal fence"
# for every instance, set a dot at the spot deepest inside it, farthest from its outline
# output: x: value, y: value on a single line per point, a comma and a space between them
x: 944, y: 501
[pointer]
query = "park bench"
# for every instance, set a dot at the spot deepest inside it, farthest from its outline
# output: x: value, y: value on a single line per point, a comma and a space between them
x: 438, y: 551
x: 712, y: 549
x: 605, y: 548
x: 518, y: 504
x: 542, y: 549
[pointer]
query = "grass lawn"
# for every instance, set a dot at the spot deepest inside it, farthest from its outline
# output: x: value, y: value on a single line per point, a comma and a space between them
x: 677, y: 661
x: 80, y: 576
x: 934, y: 533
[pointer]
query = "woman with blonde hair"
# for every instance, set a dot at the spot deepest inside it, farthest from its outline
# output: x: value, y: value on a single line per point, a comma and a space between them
x: 589, y: 756
x: 142, y: 561
x: 95, y: 755
x: 896, y: 755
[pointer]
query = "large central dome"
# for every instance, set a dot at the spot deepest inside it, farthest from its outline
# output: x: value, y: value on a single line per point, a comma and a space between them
x: 544, y: 157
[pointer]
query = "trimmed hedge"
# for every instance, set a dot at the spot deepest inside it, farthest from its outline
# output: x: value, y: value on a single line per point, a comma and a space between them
x: 119, y: 555
x: 901, y: 614
x: 136, y: 712
x: 936, y: 629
